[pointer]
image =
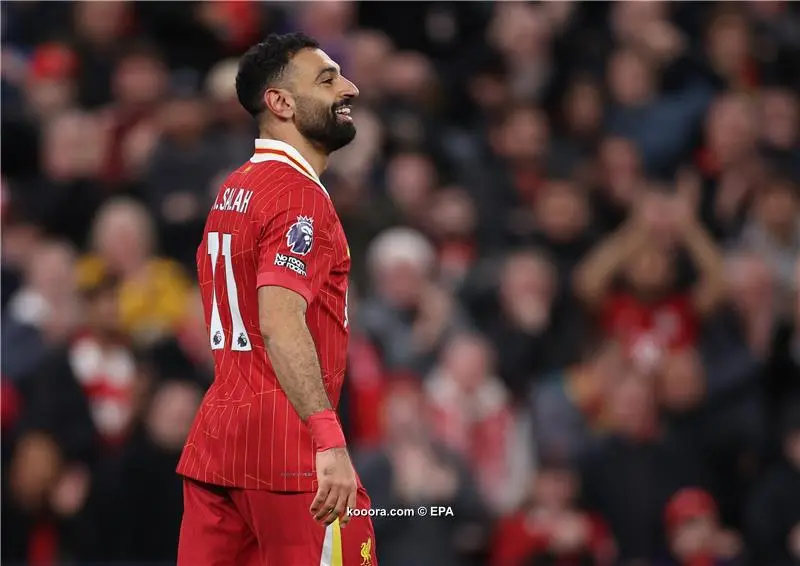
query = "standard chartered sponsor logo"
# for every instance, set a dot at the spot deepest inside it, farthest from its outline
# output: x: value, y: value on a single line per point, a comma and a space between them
x: 422, y: 511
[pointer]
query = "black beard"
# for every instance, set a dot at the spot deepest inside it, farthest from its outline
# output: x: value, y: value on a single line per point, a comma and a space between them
x: 322, y: 126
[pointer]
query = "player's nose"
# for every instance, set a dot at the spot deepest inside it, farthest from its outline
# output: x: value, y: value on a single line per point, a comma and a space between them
x: 350, y: 89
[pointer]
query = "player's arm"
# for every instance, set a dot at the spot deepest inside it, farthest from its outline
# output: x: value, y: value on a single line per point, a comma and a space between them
x: 293, y: 354
x: 291, y: 349
x: 294, y: 261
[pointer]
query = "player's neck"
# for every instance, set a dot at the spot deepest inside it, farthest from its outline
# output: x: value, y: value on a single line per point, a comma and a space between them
x: 316, y: 158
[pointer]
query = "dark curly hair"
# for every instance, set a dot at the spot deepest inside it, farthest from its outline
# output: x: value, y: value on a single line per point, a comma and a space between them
x: 264, y: 64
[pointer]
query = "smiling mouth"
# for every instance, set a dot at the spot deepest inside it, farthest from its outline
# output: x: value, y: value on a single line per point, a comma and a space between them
x: 343, y: 111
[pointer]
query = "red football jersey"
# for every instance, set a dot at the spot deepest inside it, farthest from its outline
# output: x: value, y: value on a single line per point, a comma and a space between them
x: 272, y: 224
x: 649, y: 329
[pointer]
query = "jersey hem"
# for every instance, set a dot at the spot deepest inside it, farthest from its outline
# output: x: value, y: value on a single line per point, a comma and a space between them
x: 260, y: 485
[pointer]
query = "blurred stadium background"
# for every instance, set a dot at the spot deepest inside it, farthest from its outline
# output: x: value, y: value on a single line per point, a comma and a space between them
x: 575, y: 230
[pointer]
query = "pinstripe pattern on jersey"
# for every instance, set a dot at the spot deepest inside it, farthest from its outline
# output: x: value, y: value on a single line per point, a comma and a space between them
x: 246, y: 433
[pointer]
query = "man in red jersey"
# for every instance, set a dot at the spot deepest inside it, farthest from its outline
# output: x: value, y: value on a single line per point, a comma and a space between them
x: 267, y: 476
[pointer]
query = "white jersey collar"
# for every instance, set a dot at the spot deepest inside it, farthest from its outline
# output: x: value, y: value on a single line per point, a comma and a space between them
x: 276, y: 150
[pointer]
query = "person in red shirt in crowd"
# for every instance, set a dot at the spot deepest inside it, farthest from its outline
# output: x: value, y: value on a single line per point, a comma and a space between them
x: 549, y: 529
x: 268, y: 478
x: 695, y: 535
x: 648, y: 315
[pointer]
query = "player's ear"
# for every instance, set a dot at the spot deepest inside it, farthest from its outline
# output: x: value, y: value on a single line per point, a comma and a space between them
x: 280, y: 102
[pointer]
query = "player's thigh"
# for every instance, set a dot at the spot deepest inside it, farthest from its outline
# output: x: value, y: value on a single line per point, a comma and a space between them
x: 288, y: 535
x: 283, y: 526
x: 213, y: 532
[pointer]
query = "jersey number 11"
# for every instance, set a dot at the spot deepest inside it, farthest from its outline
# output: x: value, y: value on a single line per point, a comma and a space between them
x: 240, y: 339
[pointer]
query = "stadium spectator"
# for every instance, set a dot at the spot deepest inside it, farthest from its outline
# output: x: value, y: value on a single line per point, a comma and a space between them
x: 176, y: 180
x: 42, y: 313
x: 695, y: 535
x: 522, y: 322
x: 550, y: 528
x: 142, y: 477
x: 154, y: 289
x: 628, y: 477
x: 409, y: 316
x: 773, y: 232
x: 773, y: 514
x: 50, y: 86
x: 570, y: 407
x: 473, y: 415
x: 412, y: 468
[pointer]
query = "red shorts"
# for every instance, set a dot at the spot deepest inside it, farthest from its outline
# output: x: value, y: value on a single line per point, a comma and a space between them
x: 243, y: 527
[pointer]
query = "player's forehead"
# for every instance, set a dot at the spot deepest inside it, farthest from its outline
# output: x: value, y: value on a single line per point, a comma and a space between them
x: 309, y: 63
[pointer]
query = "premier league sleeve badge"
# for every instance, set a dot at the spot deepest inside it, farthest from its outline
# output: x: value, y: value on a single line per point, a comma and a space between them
x: 300, y: 237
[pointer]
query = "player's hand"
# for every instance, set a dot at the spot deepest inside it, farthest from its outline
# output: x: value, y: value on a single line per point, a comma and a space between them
x: 337, y: 487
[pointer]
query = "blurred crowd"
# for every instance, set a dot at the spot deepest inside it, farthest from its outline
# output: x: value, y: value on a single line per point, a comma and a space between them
x: 575, y: 231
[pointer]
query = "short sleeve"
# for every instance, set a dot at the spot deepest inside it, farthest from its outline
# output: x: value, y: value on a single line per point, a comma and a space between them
x: 295, y: 247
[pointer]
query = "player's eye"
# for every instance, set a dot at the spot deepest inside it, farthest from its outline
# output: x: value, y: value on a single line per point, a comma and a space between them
x: 328, y: 81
